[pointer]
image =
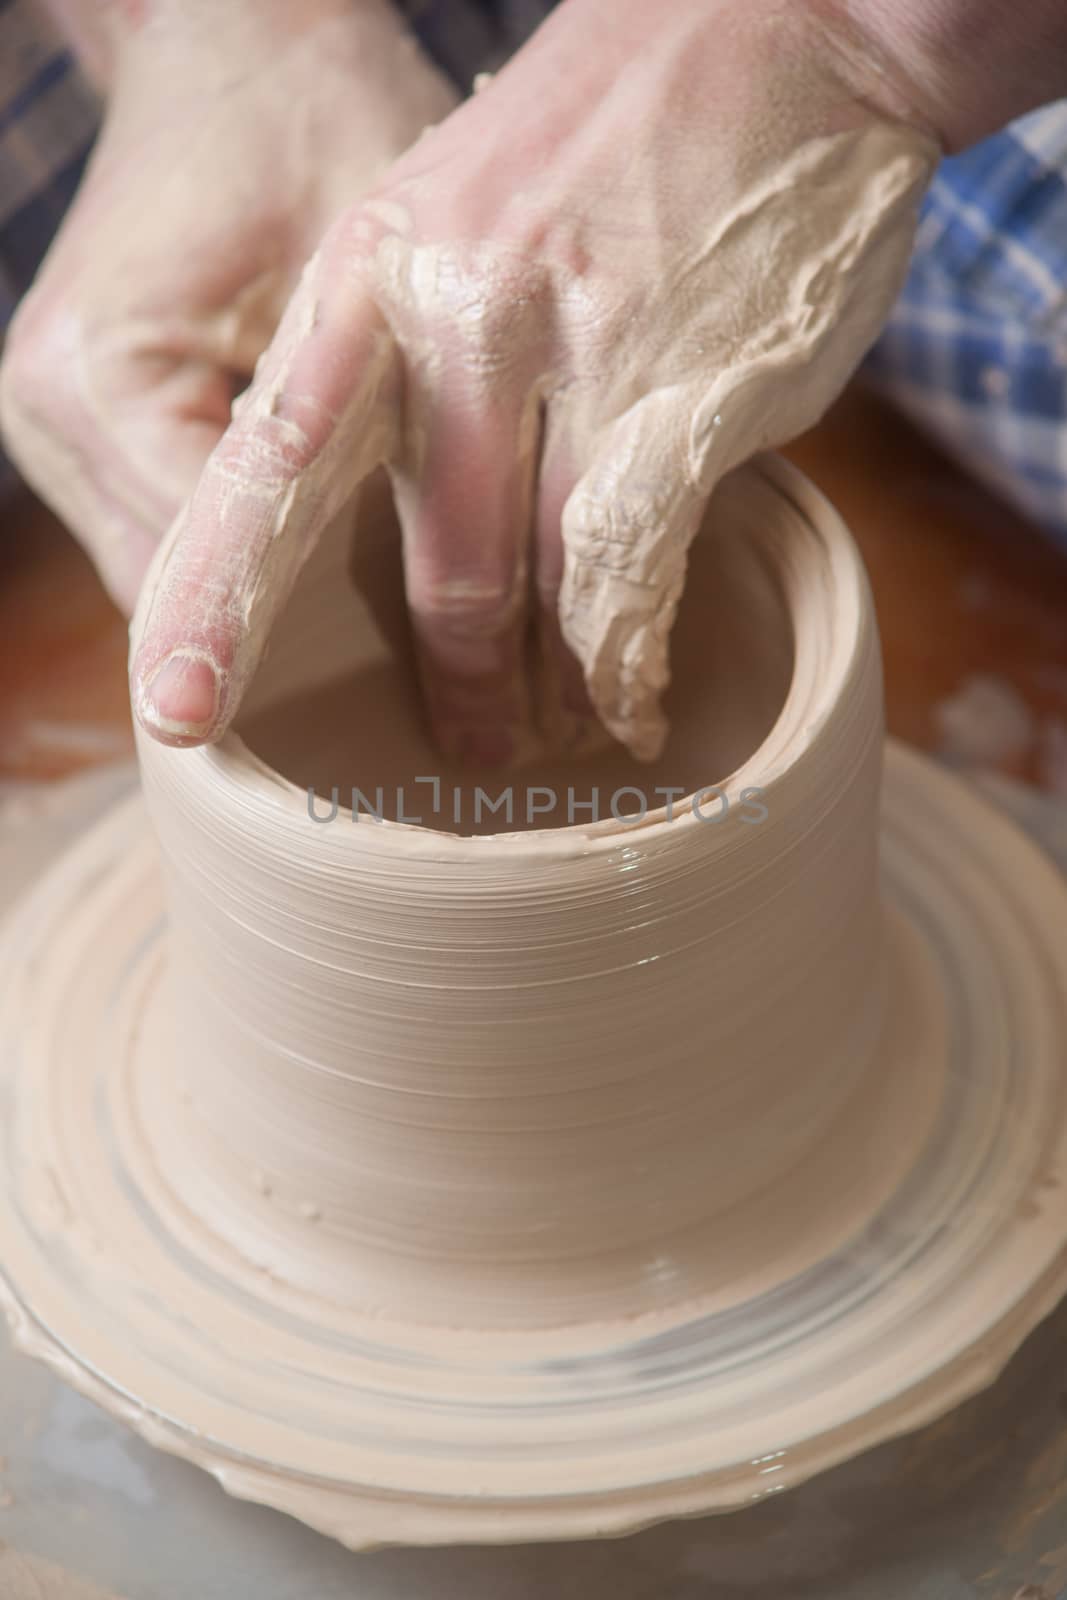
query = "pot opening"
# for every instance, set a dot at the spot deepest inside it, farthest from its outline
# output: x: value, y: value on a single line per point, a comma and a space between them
x: 336, y: 707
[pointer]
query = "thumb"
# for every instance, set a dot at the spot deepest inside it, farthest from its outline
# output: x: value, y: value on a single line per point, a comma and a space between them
x: 626, y: 528
x: 311, y: 427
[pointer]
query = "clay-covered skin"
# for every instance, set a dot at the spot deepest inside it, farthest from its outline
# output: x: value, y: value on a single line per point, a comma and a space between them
x: 558, y: 335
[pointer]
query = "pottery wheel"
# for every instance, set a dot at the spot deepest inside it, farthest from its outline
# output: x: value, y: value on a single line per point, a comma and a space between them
x: 946, y: 1240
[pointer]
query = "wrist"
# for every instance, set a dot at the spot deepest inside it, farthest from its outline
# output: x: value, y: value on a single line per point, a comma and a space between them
x: 965, y: 67
x: 789, y: 68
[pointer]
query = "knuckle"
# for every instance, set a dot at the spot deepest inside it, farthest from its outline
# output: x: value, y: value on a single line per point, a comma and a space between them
x: 468, y: 607
x: 265, y: 449
x: 483, y: 311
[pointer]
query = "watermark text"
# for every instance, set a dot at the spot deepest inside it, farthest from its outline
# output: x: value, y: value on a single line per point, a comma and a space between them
x: 431, y: 801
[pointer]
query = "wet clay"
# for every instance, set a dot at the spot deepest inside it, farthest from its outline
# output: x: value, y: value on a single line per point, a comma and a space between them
x: 26, y: 1577
x: 541, y: 1183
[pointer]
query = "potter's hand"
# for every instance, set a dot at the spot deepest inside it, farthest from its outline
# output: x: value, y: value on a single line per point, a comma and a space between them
x: 234, y: 134
x: 659, y: 240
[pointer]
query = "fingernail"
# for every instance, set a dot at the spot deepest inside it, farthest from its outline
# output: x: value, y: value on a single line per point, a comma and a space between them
x: 181, y: 699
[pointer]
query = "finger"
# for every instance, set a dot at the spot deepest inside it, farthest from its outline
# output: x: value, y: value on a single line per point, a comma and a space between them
x: 626, y: 530
x: 565, y: 711
x: 465, y: 508
x: 314, y: 423
x: 112, y: 438
x: 169, y: 414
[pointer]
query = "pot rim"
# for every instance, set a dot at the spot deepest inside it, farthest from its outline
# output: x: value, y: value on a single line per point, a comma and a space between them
x: 839, y: 586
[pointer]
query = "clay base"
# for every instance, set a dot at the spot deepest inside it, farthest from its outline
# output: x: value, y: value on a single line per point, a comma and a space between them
x: 942, y: 1242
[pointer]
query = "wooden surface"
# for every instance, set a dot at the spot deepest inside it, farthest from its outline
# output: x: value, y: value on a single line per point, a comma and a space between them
x: 964, y: 588
x: 965, y: 591
x: 63, y: 698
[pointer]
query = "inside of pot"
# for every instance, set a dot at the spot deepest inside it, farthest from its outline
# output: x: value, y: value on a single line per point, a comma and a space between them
x: 336, y: 706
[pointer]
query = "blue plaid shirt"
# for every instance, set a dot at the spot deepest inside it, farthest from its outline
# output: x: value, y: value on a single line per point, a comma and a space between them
x: 976, y: 347
x: 48, y: 117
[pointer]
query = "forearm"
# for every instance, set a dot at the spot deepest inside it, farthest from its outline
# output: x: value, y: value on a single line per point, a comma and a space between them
x: 966, y: 66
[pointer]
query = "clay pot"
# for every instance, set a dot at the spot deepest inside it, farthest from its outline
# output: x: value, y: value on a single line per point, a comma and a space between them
x: 532, y: 1076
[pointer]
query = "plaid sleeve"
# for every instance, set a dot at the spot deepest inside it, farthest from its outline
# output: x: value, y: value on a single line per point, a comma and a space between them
x: 976, y: 348
x: 48, y: 118
x: 465, y: 37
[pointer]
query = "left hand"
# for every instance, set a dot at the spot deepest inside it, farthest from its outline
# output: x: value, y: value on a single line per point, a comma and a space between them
x: 234, y: 134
